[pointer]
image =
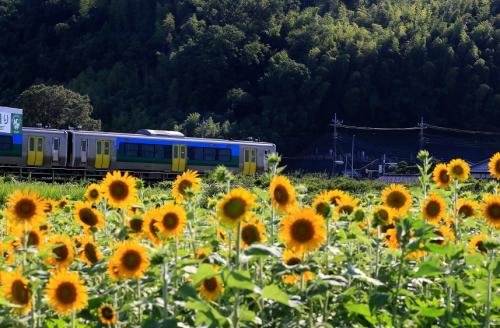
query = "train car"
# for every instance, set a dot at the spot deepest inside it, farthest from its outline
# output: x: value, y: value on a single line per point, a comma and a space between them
x: 164, y: 151
x: 11, y: 137
x: 44, y: 148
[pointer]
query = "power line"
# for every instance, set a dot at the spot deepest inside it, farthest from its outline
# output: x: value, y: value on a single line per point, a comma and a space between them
x: 376, y: 129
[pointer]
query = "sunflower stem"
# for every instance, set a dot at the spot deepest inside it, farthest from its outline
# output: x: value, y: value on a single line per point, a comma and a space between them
x: 302, y: 273
x: 273, y: 214
x: 488, y: 292
x: 230, y: 247
x: 398, y: 287
x: 73, y: 319
x: 33, y: 309
x: 237, y: 267
x: 164, y: 289
x: 139, y: 313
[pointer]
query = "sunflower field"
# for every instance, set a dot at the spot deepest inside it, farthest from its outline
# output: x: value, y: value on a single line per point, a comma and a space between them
x: 220, y: 255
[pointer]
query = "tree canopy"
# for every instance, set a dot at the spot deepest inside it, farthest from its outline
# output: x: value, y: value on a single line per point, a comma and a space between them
x: 277, y: 69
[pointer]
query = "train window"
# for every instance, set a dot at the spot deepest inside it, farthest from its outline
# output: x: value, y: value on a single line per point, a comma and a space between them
x: 106, y: 148
x: 195, y: 153
x: 6, y: 143
x: 84, y: 145
x: 56, y: 144
x: 183, y: 152
x: 147, y: 151
x: 247, y: 156
x: 32, y: 143
x: 209, y: 154
x: 224, y: 155
x: 131, y: 150
x: 40, y: 144
x: 168, y: 151
x: 98, y: 150
x: 159, y: 152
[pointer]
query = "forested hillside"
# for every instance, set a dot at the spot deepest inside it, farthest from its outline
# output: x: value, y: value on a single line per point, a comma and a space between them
x: 276, y: 69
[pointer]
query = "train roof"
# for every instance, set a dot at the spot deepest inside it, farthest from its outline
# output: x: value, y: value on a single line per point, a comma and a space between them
x: 32, y: 129
x: 180, y: 139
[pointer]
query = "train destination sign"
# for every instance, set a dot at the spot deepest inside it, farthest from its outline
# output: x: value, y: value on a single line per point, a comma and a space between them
x: 11, y: 120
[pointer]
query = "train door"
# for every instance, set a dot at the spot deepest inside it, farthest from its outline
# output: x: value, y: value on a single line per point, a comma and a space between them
x: 103, y: 154
x: 56, y: 144
x: 249, y: 160
x: 36, y: 147
x: 179, y: 158
x: 83, y: 151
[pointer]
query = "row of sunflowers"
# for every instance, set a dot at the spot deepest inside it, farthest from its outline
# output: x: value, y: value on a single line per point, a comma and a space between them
x: 420, y: 256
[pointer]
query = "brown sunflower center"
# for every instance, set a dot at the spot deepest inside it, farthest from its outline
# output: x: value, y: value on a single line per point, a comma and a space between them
x: 250, y: 234
x: 293, y: 261
x: 457, y: 170
x: 25, y: 208
x: 44, y: 227
x: 153, y: 229
x: 170, y: 221
x: 184, y: 185
x: 33, y: 239
x: 107, y: 313
x: 281, y: 195
x: 302, y: 230
x: 396, y: 199
x: 136, y: 224
x: 48, y: 208
x: 334, y: 200
x: 118, y: 190
x: 66, y: 293
x: 439, y: 241
x: 210, y: 284
x: 444, y: 177
x: 132, y: 260
x: 433, y: 208
x: 235, y: 207
x: 90, y: 253
x: 346, y: 209
x: 480, y: 247
x: 62, y: 203
x: 94, y: 194
x: 497, y: 167
x: 88, y: 216
x: 382, y: 216
x: 61, y: 252
x: 20, y: 292
x: 494, y: 211
x: 466, y: 211
x: 322, y: 209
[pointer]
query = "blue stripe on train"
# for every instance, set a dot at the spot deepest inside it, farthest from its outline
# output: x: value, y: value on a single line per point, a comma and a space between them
x: 235, y: 149
x: 17, y: 139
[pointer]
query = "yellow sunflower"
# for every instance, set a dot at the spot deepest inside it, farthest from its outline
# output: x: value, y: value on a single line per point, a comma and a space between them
x: 50, y: 206
x: 136, y: 224
x: 477, y: 244
x: 130, y: 259
x: 61, y: 250
x: 335, y: 196
x: 458, y: 169
x: 491, y: 210
x: 35, y: 237
x: 291, y: 257
x: 440, y: 176
x: 382, y: 215
x: 211, y: 289
x: 202, y: 253
x: 467, y: 208
x: 62, y: 203
x: 282, y: 193
x: 25, y: 207
x: 252, y: 232
x: 292, y: 279
x: 398, y: 198
x: 17, y: 291
x: 66, y: 292
x: 89, y: 251
x: 119, y: 190
x: 321, y: 204
x: 7, y: 253
x: 93, y: 193
x: 434, y: 208
x: 151, y: 218
x: 171, y: 220
x: 88, y: 216
x: 494, y: 166
x: 346, y: 205
x: 107, y: 314
x: 235, y: 206
x: 303, y: 230
x: 188, y: 180
x: 391, y: 238
x: 444, y: 235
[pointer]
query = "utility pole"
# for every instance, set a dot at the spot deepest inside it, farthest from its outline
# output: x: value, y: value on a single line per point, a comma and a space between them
x: 335, y: 123
x: 352, y: 156
x: 421, y: 125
